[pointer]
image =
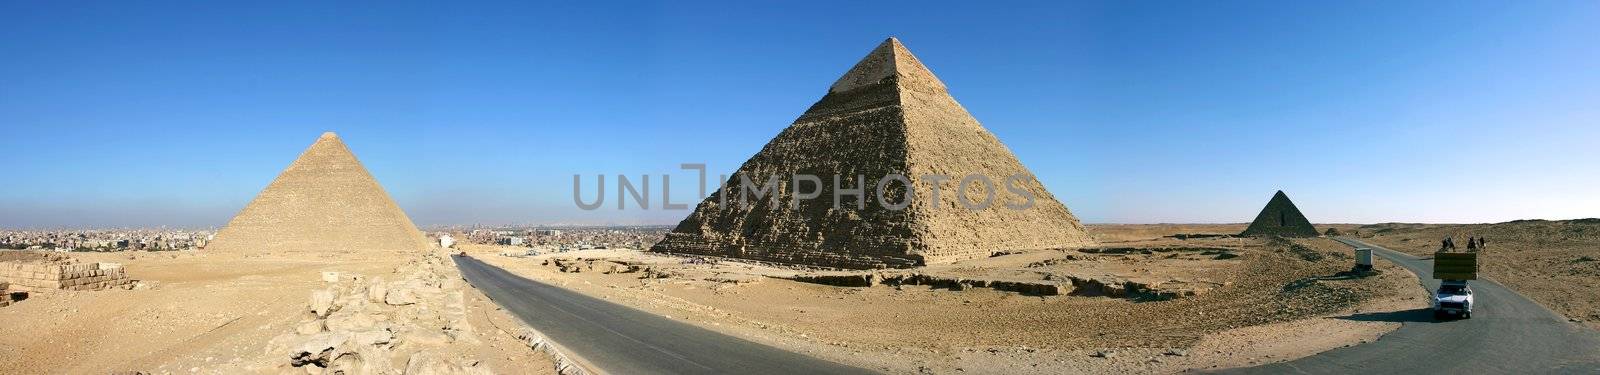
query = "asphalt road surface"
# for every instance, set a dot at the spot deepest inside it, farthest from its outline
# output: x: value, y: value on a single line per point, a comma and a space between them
x: 616, y: 339
x: 1508, y: 334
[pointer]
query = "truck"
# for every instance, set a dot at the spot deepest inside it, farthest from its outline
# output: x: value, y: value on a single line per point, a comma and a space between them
x: 1454, y: 297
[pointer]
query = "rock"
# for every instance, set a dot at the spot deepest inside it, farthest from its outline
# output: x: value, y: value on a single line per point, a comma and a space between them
x: 426, y: 338
x: 461, y: 332
x: 330, y: 276
x: 455, y: 303
x: 400, y: 297
x: 1104, y: 354
x: 1177, y: 352
x: 427, y: 362
x: 310, y: 328
x: 347, y: 322
x: 459, y: 324
x: 318, y: 350
x: 377, y: 291
x: 322, y: 302
x: 376, y: 337
x: 352, y: 302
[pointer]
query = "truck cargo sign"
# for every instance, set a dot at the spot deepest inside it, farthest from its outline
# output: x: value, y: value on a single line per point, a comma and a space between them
x: 1455, y: 266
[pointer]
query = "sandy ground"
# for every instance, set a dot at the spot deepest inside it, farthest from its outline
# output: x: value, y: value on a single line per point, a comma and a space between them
x: 202, y: 313
x: 1556, y: 263
x: 1275, y: 302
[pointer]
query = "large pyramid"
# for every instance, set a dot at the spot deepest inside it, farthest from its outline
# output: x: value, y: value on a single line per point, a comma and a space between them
x: 887, y: 115
x: 1280, y: 217
x: 324, y: 205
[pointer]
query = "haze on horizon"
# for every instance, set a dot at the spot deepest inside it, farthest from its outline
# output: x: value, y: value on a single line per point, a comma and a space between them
x: 177, y: 115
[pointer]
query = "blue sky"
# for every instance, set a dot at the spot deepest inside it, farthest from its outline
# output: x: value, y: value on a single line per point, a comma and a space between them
x: 158, y: 113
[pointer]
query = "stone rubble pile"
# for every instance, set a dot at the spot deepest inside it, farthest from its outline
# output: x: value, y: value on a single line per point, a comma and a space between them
x: 583, y: 264
x: 1052, y: 284
x: 403, y: 325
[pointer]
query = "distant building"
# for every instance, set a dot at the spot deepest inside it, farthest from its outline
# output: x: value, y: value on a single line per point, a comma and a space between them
x: 510, y: 241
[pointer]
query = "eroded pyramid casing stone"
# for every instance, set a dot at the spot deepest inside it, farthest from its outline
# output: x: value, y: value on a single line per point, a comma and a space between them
x: 887, y: 115
x: 324, y: 205
x: 1281, y: 218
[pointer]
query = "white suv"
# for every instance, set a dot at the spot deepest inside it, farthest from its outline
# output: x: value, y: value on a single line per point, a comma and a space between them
x: 1453, y: 298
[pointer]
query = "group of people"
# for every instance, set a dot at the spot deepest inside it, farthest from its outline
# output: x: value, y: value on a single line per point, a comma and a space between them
x: 1449, y: 243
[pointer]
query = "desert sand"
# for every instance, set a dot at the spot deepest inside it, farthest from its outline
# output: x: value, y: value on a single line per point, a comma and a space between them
x: 220, y: 314
x: 1273, y: 300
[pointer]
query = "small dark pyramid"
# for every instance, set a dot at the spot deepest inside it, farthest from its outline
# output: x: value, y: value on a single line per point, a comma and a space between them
x: 1280, y: 218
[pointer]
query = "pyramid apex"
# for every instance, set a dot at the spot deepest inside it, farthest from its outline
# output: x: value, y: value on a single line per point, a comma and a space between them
x: 889, y: 59
x: 328, y: 135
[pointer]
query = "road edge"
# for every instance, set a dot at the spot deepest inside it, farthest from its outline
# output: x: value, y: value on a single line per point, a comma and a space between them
x: 565, y: 363
x: 1482, y: 278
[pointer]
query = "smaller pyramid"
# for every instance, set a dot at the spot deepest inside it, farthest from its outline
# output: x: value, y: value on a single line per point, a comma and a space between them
x: 324, y: 205
x: 1280, y: 218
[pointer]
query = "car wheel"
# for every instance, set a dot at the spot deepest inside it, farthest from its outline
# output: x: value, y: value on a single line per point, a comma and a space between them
x: 1466, y: 315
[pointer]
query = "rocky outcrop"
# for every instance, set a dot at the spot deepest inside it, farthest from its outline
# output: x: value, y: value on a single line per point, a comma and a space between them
x: 376, y: 326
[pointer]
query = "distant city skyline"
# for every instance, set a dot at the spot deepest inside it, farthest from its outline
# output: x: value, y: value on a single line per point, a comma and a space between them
x: 176, y: 115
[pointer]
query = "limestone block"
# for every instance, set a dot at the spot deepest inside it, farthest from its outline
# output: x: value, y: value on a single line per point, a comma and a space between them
x: 322, y: 302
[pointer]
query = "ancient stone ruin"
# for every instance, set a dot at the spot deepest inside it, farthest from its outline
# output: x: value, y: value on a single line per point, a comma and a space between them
x: 6, y: 296
x: 33, y: 272
x: 323, y: 205
x: 1280, y: 218
x: 888, y: 115
x: 83, y: 276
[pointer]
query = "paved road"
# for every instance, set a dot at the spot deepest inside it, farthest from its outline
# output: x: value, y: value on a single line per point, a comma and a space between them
x: 617, y: 339
x: 1508, y: 334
